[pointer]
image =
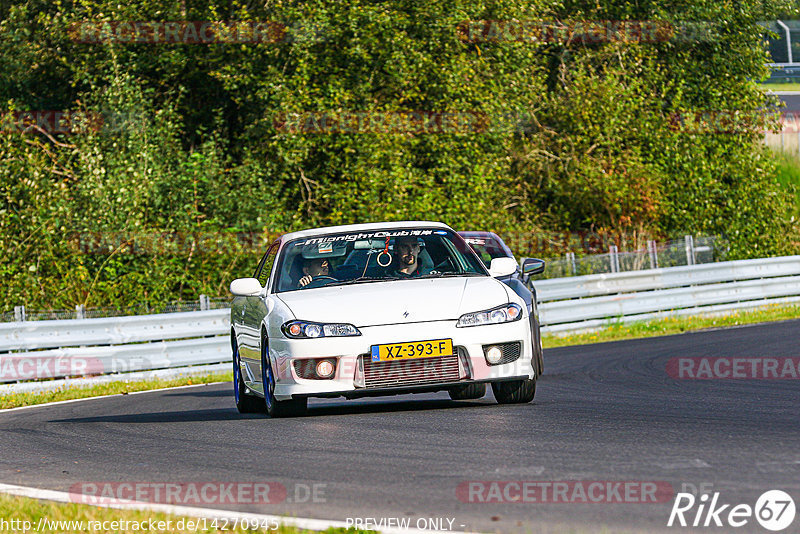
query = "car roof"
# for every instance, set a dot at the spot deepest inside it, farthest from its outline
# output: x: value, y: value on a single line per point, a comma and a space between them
x: 328, y: 230
x: 479, y: 233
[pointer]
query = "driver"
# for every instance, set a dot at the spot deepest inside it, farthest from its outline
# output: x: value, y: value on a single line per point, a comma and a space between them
x: 312, y: 268
x: 406, y: 263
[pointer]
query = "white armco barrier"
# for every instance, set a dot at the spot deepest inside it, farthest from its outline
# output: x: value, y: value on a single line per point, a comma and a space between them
x: 34, y: 350
x: 592, y: 301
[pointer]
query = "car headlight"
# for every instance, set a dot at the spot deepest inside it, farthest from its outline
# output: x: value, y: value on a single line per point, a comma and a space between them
x: 307, y: 330
x: 502, y: 314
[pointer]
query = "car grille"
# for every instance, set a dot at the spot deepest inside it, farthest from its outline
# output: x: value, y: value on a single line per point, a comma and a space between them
x: 409, y: 372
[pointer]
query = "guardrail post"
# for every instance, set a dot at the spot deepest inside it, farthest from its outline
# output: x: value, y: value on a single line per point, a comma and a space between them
x: 788, y: 34
x: 80, y: 311
x: 613, y: 255
x: 570, y: 259
x: 689, y: 250
x: 19, y: 313
x: 205, y: 303
x: 651, y: 249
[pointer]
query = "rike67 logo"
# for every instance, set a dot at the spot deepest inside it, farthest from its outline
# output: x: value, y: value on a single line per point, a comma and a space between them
x: 774, y: 510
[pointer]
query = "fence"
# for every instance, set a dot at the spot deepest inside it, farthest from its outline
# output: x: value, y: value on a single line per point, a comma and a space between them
x: 78, y: 347
x: 784, y: 49
x: 784, y: 46
x: 687, y: 251
x: 587, y: 302
x: 21, y: 313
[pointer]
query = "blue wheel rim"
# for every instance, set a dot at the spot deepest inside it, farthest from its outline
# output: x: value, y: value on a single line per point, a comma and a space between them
x: 267, y: 379
x: 236, y: 373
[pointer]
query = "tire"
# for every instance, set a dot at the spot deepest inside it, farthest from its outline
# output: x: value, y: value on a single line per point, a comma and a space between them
x: 274, y: 407
x: 539, y: 352
x: 536, y: 340
x: 514, y: 391
x: 468, y: 392
x: 245, y: 402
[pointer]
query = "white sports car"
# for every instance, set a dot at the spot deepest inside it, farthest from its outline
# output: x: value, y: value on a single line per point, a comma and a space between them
x: 379, y: 309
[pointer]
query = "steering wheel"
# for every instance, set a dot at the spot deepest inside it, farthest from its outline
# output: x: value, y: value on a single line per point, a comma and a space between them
x: 321, y: 280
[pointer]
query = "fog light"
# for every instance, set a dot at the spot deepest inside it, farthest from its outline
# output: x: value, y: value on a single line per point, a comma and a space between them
x: 324, y: 369
x: 494, y: 355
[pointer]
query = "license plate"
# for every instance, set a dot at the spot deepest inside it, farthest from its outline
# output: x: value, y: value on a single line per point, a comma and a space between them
x: 417, y: 349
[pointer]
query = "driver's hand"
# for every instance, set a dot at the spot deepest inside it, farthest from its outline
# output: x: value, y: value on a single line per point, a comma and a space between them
x: 305, y: 280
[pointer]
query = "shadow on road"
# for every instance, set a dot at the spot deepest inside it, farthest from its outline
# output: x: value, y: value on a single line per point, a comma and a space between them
x: 372, y: 406
x: 322, y: 410
x: 227, y: 392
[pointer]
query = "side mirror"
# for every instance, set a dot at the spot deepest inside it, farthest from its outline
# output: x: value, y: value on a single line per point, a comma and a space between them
x: 532, y: 266
x: 246, y: 287
x: 502, y: 267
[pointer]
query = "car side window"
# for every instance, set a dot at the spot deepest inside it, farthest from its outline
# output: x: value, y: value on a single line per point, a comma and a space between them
x: 482, y: 253
x: 265, y: 266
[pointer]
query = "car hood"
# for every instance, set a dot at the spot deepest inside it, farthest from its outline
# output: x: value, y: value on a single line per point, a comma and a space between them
x: 400, y: 301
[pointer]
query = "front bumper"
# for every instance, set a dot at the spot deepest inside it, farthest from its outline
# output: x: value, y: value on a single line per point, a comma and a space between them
x: 350, y: 381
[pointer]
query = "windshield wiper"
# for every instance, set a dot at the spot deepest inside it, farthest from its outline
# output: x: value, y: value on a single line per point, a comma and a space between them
x: 449, y: 274
x: 364, y: 279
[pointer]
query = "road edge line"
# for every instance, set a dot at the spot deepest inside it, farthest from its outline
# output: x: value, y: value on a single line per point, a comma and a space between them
x: 114, y: 395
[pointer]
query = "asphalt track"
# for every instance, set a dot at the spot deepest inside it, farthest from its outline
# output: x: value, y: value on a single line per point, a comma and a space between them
x: 604, y: 412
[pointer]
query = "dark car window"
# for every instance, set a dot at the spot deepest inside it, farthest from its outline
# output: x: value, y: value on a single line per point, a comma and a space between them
x: 487, y: 249
x: 369, y: 256
x: 265, y: 265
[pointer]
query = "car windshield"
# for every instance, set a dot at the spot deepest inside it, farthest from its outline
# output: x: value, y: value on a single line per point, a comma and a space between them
x: 486, y: 247
x: 374, y: 256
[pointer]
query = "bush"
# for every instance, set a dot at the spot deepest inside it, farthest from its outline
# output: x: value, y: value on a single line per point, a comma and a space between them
x: 192, y: 172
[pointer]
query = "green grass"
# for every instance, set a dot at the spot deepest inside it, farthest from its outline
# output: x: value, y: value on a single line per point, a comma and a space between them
x: 24, y: 509
x: 14, y: 400
x: 781, y: 86
x: 673, y: 325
